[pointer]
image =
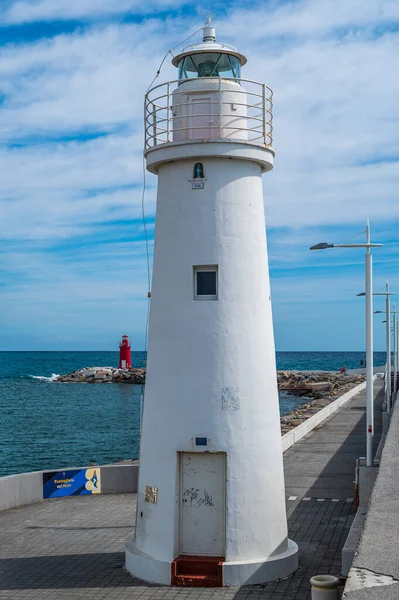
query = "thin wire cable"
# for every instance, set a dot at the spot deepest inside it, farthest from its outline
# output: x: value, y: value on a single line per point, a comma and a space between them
x: 147, y: 253
x: 357, y: 234
x: 171, y: 52
x: 144, y: 190
x: 354, y: 236
x: 145, y: 225
x: 148, y: 292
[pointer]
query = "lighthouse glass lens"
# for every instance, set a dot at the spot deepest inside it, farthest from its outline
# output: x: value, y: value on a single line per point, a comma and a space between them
x: 209, y: 64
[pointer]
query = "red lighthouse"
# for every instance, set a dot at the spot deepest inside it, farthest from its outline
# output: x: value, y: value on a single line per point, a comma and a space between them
x: 125, y: 361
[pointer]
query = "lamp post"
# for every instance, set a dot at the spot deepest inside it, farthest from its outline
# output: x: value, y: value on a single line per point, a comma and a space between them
x: 387, y: 295
x: 388, y: 345
x: 395, y: 352
x: 395, y: 348
x: 369, y: 334
x: 395, y: 330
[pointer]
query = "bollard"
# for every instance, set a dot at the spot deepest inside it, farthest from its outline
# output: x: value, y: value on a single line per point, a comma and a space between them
x: 324, y: 587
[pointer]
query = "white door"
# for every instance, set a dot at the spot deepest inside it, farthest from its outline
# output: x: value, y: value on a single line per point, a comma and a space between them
x: 202, y: 504
x: 203, y: 121
x: 195, y: 117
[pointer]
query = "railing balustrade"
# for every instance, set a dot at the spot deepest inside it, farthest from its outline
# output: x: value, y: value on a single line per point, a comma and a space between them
x: 233, y: 109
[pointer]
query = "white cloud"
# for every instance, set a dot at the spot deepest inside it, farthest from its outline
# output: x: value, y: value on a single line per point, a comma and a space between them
x: 86, y: 81
x: 309, y: 17
x: 334, y: 106
x: 47, y: 10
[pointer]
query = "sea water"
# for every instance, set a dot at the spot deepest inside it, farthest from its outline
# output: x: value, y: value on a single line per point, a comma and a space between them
x: 47, y: 425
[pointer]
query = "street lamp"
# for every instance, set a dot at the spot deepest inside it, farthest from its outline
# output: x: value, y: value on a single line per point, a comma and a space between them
x: 387, y: 295
x: 395, y: 330
x: 395, y: 352
x: 369, y: 334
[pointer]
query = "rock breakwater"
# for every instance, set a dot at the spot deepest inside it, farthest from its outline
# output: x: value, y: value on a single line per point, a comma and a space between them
x: 104, y: 375
x: 315, y: 385
x: 321, y: 387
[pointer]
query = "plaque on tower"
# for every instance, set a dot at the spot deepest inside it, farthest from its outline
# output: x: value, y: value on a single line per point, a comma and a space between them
x: 151, y: 494
x: 198, y: 184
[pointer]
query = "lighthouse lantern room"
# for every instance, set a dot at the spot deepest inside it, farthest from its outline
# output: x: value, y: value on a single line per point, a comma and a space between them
x: 211, y: 498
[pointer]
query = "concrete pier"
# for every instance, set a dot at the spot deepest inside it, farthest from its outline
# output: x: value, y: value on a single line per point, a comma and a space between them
x: 322, y: 465
x: 73, y: 548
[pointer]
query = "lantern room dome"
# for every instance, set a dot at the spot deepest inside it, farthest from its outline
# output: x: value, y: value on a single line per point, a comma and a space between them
x: 209, y: 59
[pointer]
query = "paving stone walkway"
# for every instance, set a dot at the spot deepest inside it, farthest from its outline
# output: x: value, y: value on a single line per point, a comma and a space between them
x: 322, y: 464
x: 72, y: 548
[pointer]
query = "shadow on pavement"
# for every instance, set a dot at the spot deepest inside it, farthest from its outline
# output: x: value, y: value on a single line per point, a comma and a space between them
x: 67, y: 571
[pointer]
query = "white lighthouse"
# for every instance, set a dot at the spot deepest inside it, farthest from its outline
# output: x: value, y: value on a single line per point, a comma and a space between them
x: 211, y: 500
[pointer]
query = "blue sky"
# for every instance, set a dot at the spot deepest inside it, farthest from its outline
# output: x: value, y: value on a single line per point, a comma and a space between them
x: 72, y: 78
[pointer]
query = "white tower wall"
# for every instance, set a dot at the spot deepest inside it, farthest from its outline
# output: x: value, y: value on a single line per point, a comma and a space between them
x: 211, y: 367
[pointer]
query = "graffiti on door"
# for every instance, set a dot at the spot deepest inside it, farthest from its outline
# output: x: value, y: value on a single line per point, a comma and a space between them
x: 196, y: 498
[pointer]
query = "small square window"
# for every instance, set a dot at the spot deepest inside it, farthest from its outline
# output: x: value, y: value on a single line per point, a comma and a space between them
x: 206, y: 282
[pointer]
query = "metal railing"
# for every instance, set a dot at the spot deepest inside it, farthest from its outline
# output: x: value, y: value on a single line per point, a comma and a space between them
x: 215, y: 108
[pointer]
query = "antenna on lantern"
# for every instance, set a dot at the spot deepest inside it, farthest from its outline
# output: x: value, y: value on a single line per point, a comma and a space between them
x: 208, y: 31
x: 207, y: 17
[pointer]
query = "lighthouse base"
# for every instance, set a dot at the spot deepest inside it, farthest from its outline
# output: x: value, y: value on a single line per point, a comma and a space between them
x: 146, y: 567
x: 249, y: 572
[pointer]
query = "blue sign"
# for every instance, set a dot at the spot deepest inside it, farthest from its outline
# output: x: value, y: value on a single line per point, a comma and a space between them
x: 73, y: 482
